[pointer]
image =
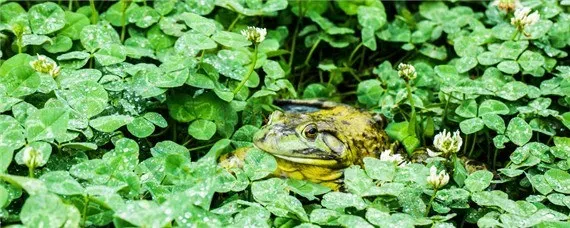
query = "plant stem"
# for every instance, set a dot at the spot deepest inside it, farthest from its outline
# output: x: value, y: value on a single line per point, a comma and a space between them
x: 294, y: 41
x: 409, y: 89
x: 444, y: 117
x: 123, y: 20
x: 306, y: 63
x: 421, y: 131
x: 160, y: 133
x: 94, y: 14
x: 19, y: 43
x: 495, y: 154
x: 249, y: 72
x: 187, y: 142
x: 234, y: 22
x: 473, y: 144
x: 70, y: 5
x: 84, y: 212
x: 354, y: 53
x: 413, y: 117
x: 347, y: 93
x: 301, y: 77
x: 549, y: 140
x: 202, y: 53
x: 362, y: 59
x: 465, y: 147
x: 354, y: 75
x: 31, y: 172
x: 431, y: 201
x: 201, y: 147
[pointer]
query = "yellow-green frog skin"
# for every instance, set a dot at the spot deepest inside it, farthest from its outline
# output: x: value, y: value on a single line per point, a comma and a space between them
x: 317, y: 146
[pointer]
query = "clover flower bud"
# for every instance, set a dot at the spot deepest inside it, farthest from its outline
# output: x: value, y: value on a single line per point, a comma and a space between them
x: 254, y: 34
x: 507, y: 5
x: 446, y: 143
x: 395, y: 158
x: 522, y: 19
x: 436, y: 180
x: 45, y: 65
x: 31, y: 157
x: 407, y: 72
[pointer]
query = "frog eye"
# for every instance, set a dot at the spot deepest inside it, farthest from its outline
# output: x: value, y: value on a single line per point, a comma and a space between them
x: 310, y: 131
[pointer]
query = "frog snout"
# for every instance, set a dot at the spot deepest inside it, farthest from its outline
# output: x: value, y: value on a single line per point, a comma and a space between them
x: 259, y: 136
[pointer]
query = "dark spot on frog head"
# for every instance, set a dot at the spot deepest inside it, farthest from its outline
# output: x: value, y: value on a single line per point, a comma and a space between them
x: 345, y: 122
x: 278, y: 131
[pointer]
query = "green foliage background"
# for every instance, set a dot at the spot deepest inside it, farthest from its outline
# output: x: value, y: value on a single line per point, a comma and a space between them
x: 149, y: 96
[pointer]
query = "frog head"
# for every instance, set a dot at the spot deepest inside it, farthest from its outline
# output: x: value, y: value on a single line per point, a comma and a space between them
x: 336, y: 137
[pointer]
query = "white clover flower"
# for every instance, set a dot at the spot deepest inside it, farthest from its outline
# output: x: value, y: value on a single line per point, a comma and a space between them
x: 522, y: 19
x: 407, y: 71
x: 532, y: 18
x: 522, y: 12
x: 254, y: 34
x: 31, y: 157
x: 446, y: 143
x: 395, y: 158
x: 437, y: 180
x: 507, y: 5
x: 45, y: 65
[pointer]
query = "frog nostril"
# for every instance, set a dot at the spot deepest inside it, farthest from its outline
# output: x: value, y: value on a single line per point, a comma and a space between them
x: 260, y: 136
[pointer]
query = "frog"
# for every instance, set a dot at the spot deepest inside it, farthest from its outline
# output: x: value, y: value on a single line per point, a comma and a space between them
x: 317, y: 144
x: 316, y: 140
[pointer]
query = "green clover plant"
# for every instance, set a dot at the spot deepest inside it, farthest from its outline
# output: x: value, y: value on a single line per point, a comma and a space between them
x: 115, y: 113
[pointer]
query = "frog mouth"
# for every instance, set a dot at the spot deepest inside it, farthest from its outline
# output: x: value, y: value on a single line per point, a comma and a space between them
x: 308, y: 161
